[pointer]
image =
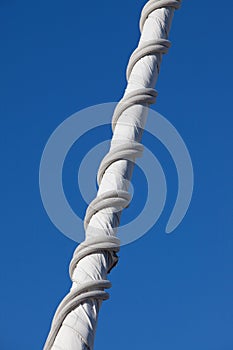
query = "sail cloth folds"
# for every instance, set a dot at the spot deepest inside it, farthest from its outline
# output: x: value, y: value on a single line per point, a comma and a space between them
x: 74, y: 323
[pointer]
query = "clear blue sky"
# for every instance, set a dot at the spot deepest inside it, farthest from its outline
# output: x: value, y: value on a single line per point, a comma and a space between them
x: 169, y: 291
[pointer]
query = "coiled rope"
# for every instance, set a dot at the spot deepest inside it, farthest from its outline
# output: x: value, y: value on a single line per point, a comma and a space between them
x: 112, y: 199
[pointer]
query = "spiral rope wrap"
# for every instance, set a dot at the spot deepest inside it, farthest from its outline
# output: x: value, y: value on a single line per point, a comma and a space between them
x: 93, y: 289
x: 112, y: 199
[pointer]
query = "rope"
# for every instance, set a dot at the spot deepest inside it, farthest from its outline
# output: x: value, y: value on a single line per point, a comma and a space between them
x: 93, y: 289
x: 117, y: 200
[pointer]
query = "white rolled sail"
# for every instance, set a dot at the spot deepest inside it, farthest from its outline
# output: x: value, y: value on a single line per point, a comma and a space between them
x: 74, y: 324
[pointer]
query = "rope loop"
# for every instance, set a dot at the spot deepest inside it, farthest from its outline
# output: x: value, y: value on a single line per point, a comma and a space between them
x: 160, y: 46
x: 153, y: 5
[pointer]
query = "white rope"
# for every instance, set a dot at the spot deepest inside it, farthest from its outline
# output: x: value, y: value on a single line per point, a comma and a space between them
x: 74, y: 323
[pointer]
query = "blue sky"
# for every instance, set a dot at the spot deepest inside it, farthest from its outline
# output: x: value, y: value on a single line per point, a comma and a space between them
x: 169, y: 291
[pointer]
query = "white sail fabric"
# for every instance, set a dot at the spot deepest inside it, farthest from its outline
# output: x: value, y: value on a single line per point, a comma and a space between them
x: 75, y: 321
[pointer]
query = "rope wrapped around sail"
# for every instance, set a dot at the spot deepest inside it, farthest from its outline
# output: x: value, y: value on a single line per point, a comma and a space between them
x: 112, y: 199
